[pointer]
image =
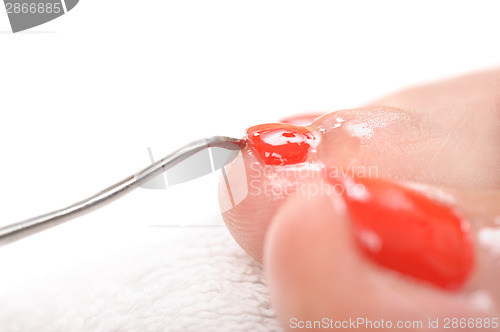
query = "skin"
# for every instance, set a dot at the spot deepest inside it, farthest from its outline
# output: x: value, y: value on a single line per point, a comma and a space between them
x: 445, y: 138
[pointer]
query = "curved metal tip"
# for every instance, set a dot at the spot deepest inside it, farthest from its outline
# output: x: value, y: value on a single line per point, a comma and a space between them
x: 226, y: 142
x: 24, y: 228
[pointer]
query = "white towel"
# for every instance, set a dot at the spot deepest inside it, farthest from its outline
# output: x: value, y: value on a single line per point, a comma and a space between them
x: 144, y: 279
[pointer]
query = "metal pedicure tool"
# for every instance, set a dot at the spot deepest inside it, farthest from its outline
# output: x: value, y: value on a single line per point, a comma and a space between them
x: 218, y: 158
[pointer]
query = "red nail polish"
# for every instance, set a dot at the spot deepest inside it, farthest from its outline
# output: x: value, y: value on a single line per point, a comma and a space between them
x: 301, y: 119
x: 404, y: 230
x: 279, y: 143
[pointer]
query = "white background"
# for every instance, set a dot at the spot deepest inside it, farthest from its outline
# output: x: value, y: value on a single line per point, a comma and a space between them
x: 83, y: 96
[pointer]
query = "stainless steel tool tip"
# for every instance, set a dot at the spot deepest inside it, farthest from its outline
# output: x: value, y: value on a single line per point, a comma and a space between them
x: 30, y: 226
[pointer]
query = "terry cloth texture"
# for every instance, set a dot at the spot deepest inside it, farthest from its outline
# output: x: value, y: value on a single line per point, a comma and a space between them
x: 167, y: 280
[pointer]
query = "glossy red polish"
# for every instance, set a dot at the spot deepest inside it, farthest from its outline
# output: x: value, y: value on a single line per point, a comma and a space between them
x: 280, y: 143
x: 406, y: 231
